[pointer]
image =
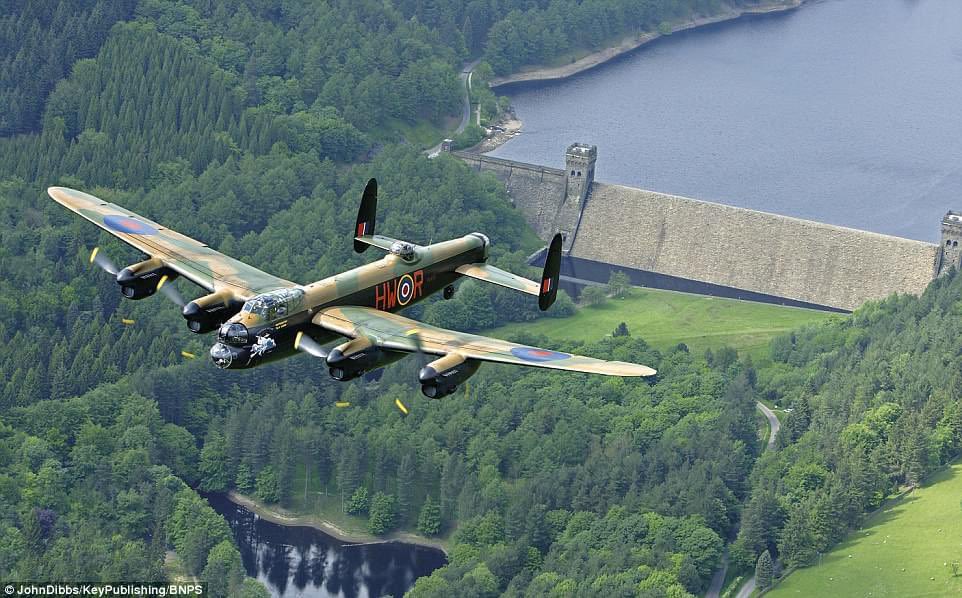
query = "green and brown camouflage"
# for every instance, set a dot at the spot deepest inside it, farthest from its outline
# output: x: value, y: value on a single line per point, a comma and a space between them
x: 261, y: 317
x: 192, y: 259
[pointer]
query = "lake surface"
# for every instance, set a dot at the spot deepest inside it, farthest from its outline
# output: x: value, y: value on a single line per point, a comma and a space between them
x: 302, y: 561
x: 844, y: 111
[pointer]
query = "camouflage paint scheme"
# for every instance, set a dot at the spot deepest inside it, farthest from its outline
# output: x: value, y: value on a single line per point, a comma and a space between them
x: 356, y: 304
x: 398, y: 333
x: 192, y: 259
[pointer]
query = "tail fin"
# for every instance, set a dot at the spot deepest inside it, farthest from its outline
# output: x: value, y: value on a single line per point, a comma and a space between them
x: 552, y: 271
x: 366, y: 215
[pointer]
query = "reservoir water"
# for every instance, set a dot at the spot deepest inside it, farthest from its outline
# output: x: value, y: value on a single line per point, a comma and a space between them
x: 843, y: 111
x: 304, y: 562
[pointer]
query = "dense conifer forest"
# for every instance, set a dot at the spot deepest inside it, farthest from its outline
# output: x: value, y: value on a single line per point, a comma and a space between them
x: 253, y: 126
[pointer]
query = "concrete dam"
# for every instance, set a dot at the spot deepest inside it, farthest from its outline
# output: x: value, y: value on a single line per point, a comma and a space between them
x: 676, y: 243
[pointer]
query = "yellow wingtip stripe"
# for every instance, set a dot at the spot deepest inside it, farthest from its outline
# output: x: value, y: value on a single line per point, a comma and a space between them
x: 163, y: 279
x: 401, y: 406
x: 297, y: 340
x: 93, y: 254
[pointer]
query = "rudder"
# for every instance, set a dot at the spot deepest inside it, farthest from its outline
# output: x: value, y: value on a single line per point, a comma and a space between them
x: 552, y: 272
x: 364, y: 226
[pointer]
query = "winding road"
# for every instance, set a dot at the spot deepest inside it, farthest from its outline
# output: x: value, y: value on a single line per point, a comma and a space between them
x: 718, y: 580
x: 466, y: 71
x: 773, y: 423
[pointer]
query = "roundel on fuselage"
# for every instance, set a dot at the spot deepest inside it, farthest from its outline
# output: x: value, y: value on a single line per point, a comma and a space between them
x: 405, y: 289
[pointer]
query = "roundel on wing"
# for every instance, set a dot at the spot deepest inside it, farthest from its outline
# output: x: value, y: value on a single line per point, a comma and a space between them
x: 126, y: 224
x: 533, y: 354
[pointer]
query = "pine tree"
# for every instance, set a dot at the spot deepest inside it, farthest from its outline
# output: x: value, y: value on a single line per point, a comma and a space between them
x: 405, y: 486
x: 429, y: 521
x: 764, y: 571
x: 245, y: 479
x: 383, y: 516
x: 267, y: 487
x: 359, y: 503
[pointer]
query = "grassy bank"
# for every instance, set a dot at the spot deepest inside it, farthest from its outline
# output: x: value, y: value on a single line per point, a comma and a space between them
x: 327, y: 517
x: 906, y: 549
x: 666, y: 318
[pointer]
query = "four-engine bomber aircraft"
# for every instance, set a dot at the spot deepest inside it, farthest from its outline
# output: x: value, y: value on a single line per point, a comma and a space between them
x: 260, y: 317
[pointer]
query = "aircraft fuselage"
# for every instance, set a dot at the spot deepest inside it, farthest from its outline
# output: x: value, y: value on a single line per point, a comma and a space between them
x: 266, y: 328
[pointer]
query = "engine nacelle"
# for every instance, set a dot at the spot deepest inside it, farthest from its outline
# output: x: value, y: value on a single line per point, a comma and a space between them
x: 143, y: 279
x: 442, y: 376
x: 207, y: 313
x: 356, y: 357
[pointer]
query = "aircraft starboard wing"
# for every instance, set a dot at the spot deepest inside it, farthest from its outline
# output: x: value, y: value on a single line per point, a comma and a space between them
x: 191, y: 259
x: 395, y: 332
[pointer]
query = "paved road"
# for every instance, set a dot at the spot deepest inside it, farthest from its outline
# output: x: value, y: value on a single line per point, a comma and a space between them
x: 772, y: 423
x: 466, y: 71
x: 747, y: 589
x: 714, y: 590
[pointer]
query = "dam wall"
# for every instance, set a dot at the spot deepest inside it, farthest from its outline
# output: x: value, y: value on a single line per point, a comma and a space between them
x: 677, y: 243
x: 777, y: 256
x: 551, y: 199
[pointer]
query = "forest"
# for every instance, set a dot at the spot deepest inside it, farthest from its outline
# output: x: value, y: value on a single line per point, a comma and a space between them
x: 253, y: 127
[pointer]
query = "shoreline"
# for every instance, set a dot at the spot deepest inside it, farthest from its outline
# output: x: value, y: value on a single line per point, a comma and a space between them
x: 633, y: 42
x: 282, y: 517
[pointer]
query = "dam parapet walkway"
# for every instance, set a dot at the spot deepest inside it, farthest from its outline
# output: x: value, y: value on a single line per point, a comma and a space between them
x: 677, y: 243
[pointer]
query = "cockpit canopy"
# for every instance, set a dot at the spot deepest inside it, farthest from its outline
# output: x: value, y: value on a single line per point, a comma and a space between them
x: 275, y: 304
x: 404, y: 250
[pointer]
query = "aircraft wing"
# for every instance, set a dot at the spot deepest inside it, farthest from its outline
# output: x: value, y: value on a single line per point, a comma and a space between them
x: 395, y: 332
x: 191, y: 259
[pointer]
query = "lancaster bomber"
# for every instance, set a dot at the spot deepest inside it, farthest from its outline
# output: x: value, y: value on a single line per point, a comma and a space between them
x: 260, y: 318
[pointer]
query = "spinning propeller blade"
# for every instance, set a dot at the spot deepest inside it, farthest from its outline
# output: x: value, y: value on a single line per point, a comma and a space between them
x: 422, y: 358
x: 170, y: 291
x: 303, y: 342
x: 103, y: 261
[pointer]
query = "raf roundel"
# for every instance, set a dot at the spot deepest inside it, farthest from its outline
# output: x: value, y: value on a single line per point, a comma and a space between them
x: 405, y: 289
x: 532, y: 354
x: 128, y: 225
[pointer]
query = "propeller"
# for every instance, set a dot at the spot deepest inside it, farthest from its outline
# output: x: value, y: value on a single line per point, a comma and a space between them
x: 422, y: 359
x: 170, y: 291
x: 105, y: 264
x: 103, y: 261
x: 305, y: 343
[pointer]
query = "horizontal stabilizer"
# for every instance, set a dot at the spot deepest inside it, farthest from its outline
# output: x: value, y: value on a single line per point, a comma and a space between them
x: 376, y: 241
x: 500, y: 277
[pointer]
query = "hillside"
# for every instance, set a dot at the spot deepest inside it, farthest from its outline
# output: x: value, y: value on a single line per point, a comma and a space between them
x: 906, y: 549
x: 666, y: 318
x: 875, y: 408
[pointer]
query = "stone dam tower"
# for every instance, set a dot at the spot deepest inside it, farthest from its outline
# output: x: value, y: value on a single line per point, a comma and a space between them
x: 951, y: 253
x: 676, y: 243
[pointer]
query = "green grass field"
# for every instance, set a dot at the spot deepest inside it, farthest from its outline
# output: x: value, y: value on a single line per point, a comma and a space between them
x: 906, y: 549
x: 666, y: 318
